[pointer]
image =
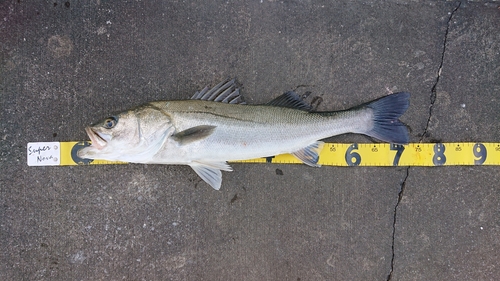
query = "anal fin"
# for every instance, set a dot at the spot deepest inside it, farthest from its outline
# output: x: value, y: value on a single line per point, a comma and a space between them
x: 310, y: 154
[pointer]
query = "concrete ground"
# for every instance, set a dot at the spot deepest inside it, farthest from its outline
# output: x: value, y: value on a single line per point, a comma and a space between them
x: 65, y: 64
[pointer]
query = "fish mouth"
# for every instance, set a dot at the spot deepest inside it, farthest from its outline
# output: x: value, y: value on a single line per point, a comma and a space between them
x: 97, y: 141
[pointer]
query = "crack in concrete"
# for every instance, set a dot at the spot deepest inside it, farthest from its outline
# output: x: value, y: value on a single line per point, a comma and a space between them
x: 433, y: 90
x: 400, y: 196
x: 433, y: 100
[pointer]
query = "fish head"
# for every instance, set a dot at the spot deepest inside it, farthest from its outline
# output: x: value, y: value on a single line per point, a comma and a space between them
x: 132, y: 136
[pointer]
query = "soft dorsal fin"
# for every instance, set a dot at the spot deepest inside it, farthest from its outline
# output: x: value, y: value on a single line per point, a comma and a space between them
x: 291, y: 100
x: 225, y: 92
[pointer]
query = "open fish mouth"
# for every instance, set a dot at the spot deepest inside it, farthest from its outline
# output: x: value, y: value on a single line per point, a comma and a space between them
x: 97, y: 141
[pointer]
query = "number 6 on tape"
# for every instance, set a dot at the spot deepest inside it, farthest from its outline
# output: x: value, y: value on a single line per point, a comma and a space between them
x: 352, y: 158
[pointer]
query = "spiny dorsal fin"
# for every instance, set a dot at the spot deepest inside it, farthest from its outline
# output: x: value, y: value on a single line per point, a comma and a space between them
x: 291, y: 100
x: 225, y: 92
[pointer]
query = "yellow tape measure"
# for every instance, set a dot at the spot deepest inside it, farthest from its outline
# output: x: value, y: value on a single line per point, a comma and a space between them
x: 333, y: 154
x: 413, y: 154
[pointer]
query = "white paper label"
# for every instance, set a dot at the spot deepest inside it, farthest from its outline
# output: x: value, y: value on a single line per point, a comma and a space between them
x: 44, y: 153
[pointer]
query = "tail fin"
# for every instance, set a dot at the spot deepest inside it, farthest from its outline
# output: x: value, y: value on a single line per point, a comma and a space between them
x: 386, y: 111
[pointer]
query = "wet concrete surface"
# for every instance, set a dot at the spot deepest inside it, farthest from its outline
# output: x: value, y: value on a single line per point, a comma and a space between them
x: 67, y: 64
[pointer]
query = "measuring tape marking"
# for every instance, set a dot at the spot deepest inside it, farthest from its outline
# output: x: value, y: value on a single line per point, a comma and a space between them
x: 333, y: 154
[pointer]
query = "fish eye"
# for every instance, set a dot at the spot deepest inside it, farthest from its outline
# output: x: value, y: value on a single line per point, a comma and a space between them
x: 110, y: 122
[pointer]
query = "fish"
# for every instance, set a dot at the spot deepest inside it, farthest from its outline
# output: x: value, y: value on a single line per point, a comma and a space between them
x: 216, y: 126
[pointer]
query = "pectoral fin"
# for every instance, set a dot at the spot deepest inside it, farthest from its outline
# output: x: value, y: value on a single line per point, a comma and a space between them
x: 193, y: 134
x: 210, y: 172
x: 310, y: 154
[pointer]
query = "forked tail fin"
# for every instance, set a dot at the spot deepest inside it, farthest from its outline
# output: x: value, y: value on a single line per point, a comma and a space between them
x: 386, y: 111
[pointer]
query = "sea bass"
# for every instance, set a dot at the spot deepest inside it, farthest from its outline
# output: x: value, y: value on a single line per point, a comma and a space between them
x: 216, y: 126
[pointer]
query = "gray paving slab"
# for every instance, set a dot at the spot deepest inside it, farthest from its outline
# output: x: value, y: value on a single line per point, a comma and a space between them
x: 67, y: 64
x: 448, y: 217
